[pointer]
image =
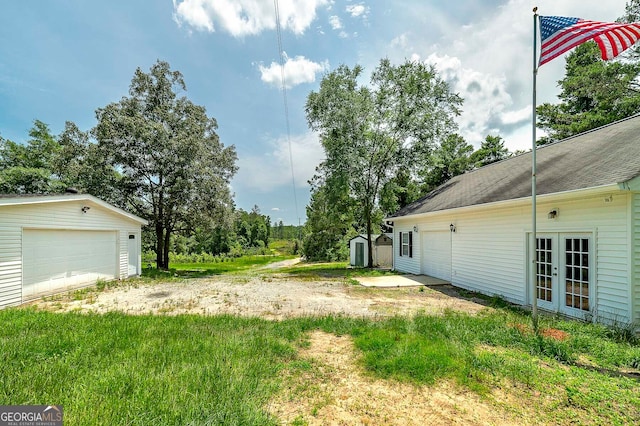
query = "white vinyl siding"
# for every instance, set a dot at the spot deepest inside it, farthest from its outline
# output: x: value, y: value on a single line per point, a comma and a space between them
x: 10, y: 264
x: 489, y: 247
x: 635, y: 255
x: 58, y: 215
x: 488, y: 253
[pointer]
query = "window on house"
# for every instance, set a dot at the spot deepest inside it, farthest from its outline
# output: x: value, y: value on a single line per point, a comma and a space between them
x: 406, y: 244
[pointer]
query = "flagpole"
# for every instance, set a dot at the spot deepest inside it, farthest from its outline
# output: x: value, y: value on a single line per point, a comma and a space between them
x: 532, y: 243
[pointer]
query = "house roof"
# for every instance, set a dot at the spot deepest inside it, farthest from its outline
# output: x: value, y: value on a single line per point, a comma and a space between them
x: 18, y: 199
x: 604, y: 156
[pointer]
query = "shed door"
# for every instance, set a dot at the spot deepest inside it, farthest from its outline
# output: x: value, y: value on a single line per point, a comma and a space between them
x: 359, y: 254
x: 54, y: 260
x: 436, y: 254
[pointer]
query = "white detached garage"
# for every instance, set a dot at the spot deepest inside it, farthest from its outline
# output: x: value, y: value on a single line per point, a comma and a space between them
x: 52, y: 243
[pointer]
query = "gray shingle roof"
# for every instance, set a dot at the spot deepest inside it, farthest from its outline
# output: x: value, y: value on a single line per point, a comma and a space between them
x: 604, y: 156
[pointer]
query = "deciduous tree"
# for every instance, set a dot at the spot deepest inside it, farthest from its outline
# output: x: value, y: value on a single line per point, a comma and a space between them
x: 369, y: 132
x: 175, y: 171
x: 29, y: 168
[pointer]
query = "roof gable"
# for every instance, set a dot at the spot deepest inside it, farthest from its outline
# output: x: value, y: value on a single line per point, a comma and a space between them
x: 14, y: 200
x: 604, y: 156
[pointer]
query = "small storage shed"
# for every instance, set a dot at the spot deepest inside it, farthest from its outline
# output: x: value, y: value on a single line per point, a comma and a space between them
x: 53, y: 243
x: 382, y: 250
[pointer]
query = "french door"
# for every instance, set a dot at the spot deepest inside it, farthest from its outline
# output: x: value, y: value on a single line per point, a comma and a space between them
x: 564, y: 272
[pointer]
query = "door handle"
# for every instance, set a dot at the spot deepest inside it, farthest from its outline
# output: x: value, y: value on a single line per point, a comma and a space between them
x: 555, y: 274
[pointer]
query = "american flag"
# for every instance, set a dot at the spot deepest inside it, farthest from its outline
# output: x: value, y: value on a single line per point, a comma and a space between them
x: 559, y: 34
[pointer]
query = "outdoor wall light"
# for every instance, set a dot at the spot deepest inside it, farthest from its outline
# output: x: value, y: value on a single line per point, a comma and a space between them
x: 85, y: 209
x: 452, y: 228
x: 553, y: 214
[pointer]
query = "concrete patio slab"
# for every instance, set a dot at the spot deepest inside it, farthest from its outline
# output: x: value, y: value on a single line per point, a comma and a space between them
x: 400, y: 281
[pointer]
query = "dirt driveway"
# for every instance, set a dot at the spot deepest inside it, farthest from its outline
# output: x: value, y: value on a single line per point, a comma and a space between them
x: 268, y: 295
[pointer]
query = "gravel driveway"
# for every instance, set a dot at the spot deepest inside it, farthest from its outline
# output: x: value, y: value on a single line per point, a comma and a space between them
x: 269, y: 295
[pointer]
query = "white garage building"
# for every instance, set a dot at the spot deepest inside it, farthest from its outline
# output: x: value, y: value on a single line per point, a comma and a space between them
x: 475, y: 230
x: 52, y: 243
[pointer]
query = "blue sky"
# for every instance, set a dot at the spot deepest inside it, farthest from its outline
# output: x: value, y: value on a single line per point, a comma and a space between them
x: 60, y: 60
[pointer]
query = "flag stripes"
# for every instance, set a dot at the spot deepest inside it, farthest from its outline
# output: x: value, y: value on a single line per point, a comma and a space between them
x: 560, y: 34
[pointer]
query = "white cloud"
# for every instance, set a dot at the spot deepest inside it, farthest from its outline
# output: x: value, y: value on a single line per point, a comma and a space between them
x: 275, y: 209
x: 335, y: 22
x: 245, y: 17
x: 486, y: 98
x: 489, y: 61
x: 357, y: 10
x: 272, y: 169
x: 297, y: 71
x: 400, y: 42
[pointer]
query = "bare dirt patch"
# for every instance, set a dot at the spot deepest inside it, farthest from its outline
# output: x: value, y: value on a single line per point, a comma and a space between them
x: 273, y: 296
x: 340, y: 393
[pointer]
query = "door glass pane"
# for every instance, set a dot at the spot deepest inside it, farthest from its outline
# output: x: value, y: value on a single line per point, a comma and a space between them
x: 544, y: 269
x: 577, y: 273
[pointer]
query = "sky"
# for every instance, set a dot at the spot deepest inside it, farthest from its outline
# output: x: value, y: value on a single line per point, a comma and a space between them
x: 60, y: 60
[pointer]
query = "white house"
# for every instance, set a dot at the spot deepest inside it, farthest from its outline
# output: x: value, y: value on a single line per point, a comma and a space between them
x: 474, y: 230
x: 51, y: 243
x: 382, y: 245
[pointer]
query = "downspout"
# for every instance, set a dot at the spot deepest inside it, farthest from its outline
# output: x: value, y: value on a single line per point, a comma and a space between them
x: 393, y: 247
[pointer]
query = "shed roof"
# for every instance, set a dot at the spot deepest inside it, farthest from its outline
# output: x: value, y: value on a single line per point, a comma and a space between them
x: 18, y: 199
x: 604, y: 156
x: 374, y: 237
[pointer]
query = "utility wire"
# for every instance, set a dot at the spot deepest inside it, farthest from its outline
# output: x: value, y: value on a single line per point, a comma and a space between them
x: 286, y: 105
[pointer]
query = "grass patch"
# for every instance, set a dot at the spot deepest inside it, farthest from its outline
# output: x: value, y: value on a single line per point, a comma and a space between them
x: 118, y: 369
x: 314, y: 270
x: 188, y: 369
x: 228, y: 265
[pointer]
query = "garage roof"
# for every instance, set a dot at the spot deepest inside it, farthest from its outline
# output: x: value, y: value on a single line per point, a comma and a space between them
x: 20, y: 199
x: 604, y: 156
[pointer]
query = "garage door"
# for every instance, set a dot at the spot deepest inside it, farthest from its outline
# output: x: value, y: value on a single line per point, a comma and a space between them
x: 55, y: 260
x: 436, y: 254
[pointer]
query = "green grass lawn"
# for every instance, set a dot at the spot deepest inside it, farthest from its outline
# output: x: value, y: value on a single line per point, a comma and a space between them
x: 313, y: 270
x: 149, y: 370
x: 229, y: 265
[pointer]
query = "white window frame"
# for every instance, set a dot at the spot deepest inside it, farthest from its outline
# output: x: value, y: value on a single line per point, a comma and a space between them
x: 405, y: 244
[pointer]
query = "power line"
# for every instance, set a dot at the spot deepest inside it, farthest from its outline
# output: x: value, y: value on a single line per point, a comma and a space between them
x: 286, y: 105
